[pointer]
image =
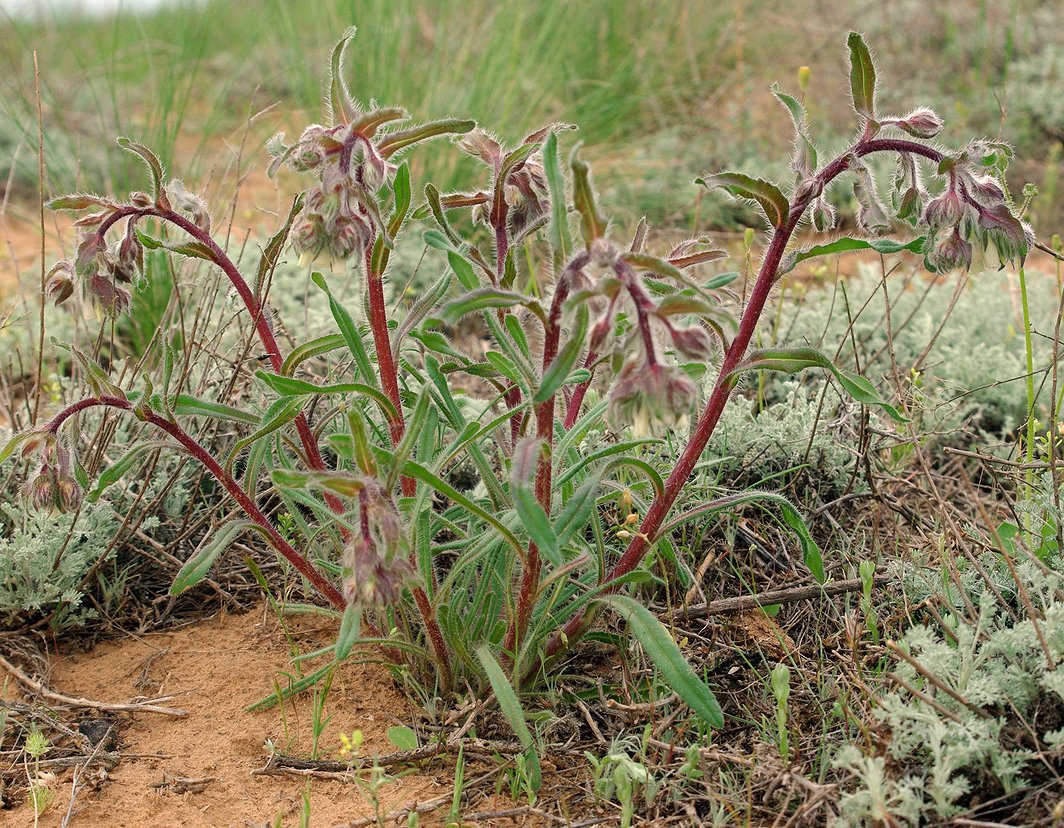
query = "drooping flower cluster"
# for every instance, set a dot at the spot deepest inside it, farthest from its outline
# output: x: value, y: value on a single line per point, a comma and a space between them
x: 648, y: 394
x: 519, y: 194
x: 971, y: 224
x: 105, y: 270
x: 340, y: 212
x: 377, y: 561
x: 52, y: 486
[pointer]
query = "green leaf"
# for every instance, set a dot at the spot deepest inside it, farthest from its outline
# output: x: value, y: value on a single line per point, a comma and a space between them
x: 805, y: 159
x: 348, y: 328
x: 282, y: 412
x: 149, y: 158
x: 666, y: 656
x: 292, y: 387
x: 403, y: 138
x: 483, y: 299
x: 862, y: 77
x: 592, y: 223
x: 847, y: 243
x: 197, y: 567
x: 419, y: 472
x: 577, y: 510
x: 662, y: 267
x: 117, y: 470
x: 438, y: 343
x: 16, y: 441
x: 523, y: 472
x: 350, y: 630
x: 402, y: 737
x: 458, y: 262
x: 338, y: 103
x: 400, y: 205
x: 766, y: 194
x: 271, y: 253
x: 559, y: 212
x: 792, y: 360
x: 562, y: 366
x: 187, y: 405
x: 511, y: 711
x: 308, y: 350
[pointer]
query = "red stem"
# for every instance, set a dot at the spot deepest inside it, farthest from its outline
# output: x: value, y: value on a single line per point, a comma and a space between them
x: 530, y: 580
x: 766, y: 277
x: 302, y: 565
x: 378, y: 321
x: 254, y: 307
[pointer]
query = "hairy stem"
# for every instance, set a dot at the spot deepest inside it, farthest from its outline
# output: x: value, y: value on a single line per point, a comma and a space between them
x: 707, y: 423
x: 302, y: 565
x: 378, y: 320
x: 530, y: 578
x: 254, y: 308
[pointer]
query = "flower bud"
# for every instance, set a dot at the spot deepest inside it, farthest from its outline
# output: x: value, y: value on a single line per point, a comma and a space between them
x: 944, y: 211
x: 920, y: 123
x: 90, y: 256
x: 651, y: 398
x: 693, y: 342
x: 60, y: 283
x: 805, y: 74
x: 112, y: 300
x: 951, y: 253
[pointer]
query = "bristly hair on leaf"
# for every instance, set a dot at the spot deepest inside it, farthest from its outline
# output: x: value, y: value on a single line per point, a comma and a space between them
x: 337, y: 101
x: 862, y: 78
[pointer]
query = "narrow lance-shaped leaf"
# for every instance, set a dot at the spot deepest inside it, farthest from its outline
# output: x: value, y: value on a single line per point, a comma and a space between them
x: 791, y: 516
x: 512, y: 712
x: 523, y: 469
x: 282, y: 412
x: 766, y: 194
x: 199, y: 565
x: 117, y: 470
x: 666, y: 656
x: 338, y: 103
x: 350, y: 630
x: 848, y: 244
x: 805, y: 159
x: 563, y: 364
x: 150, y: 159
x: 559, y: 221
x: 348, y: 328
x: 271, y: 253
x: 791, y: 360
x: 458, y: 262
x: 290, y: 386
x: 403, y: 138
x: 483, y: 299
x: 592, y: 223
x: 862, y: 77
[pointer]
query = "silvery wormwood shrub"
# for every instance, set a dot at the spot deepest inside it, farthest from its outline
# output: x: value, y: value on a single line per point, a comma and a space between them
x: 489, y: 584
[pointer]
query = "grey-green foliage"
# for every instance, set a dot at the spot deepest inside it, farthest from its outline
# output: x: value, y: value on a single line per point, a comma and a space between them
x: 999, y: 666
x: 973, y: 375
x: 43, y: 559
x: 752, y: 444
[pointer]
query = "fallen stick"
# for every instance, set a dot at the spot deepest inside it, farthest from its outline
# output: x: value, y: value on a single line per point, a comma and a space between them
x: 69, y: 701
x: 790, y: 595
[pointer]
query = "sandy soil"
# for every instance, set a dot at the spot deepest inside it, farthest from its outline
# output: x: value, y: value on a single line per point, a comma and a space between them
x: 214, y: 669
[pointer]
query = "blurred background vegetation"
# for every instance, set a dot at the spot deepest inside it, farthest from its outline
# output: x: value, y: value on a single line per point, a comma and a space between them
x: 661, y: 91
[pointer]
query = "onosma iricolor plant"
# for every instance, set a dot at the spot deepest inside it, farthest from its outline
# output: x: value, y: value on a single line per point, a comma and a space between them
x: 489, y: 584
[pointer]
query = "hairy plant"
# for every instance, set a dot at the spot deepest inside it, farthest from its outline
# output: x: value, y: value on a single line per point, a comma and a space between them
x: 361, y: 432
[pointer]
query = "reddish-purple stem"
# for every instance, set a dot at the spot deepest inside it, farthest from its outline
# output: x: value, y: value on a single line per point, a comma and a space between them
x: 302, y: 565
x: 766, y: 277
